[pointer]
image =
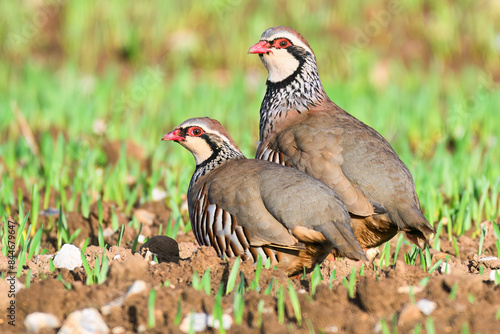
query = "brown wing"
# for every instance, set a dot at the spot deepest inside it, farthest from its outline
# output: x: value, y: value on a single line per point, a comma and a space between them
x: 319, y: 155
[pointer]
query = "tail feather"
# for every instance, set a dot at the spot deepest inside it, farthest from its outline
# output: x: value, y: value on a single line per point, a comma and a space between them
x: 343, y: 240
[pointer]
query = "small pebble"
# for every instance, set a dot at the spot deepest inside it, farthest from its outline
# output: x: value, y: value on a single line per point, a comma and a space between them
x: 118, y: 330
x: 444, y: 268
x: 141, y: 238
x: 227, y: 321
x: 158, y: 194
x: 136, y: 287
x: 49, y: 212
x: 426, y: 306
x: 38, y: 321
x: 194, y: 321
x: 68, y: 257
x: 200, y: 322
x: 86, y: 321
x: 331, y: 329
x: 108, y: 232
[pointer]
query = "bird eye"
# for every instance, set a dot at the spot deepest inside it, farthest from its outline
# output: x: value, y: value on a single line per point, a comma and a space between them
x: 282, y: 43
x: 195, y: 131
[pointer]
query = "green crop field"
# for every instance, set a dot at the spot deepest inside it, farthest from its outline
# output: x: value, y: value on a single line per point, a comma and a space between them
x: 88, y: 89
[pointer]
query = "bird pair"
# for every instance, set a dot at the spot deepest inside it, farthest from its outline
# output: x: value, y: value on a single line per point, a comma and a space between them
x: 347, y: 191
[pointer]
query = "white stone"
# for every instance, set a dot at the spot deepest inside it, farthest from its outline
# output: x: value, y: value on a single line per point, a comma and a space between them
x: 194, y: 321
x: 37, y: 321
x: 141, y: 238
x: 108, y: 232
x: 426, y: 306
x: 86, y: 321
x: 68, y: 257
x: 227, y: 321
x: 118, y: 330
x: 158, y: 194
x: 200, y: 322
x: 136, y: 287
x: 444, y: 268
x: 331, y: 329
x: 493, y: 273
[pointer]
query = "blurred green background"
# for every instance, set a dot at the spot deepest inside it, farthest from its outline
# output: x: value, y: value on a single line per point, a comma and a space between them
x: 89, y: 87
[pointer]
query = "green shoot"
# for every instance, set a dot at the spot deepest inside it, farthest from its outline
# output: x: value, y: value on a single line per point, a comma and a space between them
x: 435, y: 266
x: 258, y: 270
x: 385, y: 255
x: 85, y: 244
x: 281, y: 304
x: 260, y: 309
x: 269, y: 288
x: 178, y: 314
x: 136, y: 239
x: 151, y: 309
x: 231, y: 281
x: 35, y: 206
x: 481, y: 240
x: 429, y: 326
x: 51, y: 266
x: 239, y: 301
x: 28, y: 279
x: 67, y: 285
x: 398, y: 246
x: 294, y: 298
x: 352, y: 283
x: 34, y: 244
x: 316, y: 279
x: 333, y: 276
x: 120, y: 236
x: 455, y: 247
x: 218, y: 311
x: 453, y: 291
x: 205, y: 282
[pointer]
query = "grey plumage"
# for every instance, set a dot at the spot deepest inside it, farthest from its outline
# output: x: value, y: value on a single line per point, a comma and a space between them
x: 247, y: 207
x: 301, y: 127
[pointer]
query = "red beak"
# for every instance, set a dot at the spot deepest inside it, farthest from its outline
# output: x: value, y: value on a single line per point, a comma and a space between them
x: 174, y: 135
x: 261, y: 47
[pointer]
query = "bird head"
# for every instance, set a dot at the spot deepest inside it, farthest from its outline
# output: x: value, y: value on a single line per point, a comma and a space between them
x: 283, y: 51
x: 204, y: 137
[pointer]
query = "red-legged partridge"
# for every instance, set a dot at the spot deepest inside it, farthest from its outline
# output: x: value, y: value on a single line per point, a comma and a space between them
x: 246, y: 207
x: 301, y: 127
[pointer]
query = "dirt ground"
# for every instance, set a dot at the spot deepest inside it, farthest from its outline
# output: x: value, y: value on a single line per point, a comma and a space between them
x: 386, y: 299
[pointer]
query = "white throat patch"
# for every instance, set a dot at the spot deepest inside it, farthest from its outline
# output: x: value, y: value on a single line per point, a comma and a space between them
x: 280, y: 64
x: 198, y: 147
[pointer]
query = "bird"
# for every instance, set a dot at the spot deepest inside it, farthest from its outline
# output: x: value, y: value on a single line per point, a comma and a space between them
x: 248, y: 207
x: 301, y: 127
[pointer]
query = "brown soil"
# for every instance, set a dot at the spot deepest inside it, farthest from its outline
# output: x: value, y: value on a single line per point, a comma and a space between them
x: 383, y: 298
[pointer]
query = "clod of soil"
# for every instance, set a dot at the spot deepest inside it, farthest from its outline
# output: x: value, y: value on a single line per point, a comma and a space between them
x: 165, y: 248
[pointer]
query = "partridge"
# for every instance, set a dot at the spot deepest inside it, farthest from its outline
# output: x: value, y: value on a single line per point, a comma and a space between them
x: 301, y: 127
x: 246, y: 207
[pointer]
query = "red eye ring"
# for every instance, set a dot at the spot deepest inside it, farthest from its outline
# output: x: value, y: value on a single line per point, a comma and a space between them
x: 195, y: 131
x: 282, y: 43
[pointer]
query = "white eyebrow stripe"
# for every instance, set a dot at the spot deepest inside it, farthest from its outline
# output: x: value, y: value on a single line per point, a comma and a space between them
x: 291, y: 37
